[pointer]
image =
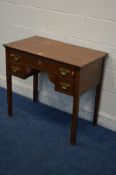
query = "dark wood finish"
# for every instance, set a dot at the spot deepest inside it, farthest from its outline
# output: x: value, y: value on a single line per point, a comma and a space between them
x: 59, y: 51
x: 72, y: 69
x: 90, y: 75
x: 35, y: 87
x: 97, y: 96
x: 20, y: 71
x: 41, y: 63
x: 9, y: 85
x: 75, y: 112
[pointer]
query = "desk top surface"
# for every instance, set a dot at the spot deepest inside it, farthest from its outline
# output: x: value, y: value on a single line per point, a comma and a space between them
x: 58, y: 51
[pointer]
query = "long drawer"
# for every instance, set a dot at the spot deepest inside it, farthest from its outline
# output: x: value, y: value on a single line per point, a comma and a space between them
x: 42, y: 64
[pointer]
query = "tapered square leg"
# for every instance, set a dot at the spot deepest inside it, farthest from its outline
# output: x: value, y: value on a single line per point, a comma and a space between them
x: 97, y: 104
x: 9, y: 93
x: 35, y: 87
x: 97, y: 96
x: 9, y: 85
x: 74, y: 120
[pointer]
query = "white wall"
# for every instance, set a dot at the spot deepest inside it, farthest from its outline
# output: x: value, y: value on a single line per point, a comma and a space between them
x: 89, y: 23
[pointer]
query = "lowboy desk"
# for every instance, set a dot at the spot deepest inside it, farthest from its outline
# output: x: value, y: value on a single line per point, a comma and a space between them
x: 72, y: 69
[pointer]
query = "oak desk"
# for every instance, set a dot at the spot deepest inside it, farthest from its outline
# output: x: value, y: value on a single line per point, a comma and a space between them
x: 72, y: 69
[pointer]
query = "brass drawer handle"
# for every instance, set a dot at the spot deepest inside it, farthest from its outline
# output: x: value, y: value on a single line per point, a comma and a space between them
x: 16, y: 59
x: 12, y: 54
x: 64, y: 71
x: 15, y: 69
x: 64, y: 86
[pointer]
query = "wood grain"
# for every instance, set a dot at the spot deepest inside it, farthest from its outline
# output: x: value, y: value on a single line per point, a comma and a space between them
x: 72, y: 69
x: 59, y: 51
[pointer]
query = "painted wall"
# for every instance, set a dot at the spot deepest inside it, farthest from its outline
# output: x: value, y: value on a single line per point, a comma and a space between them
x: 88, y: 23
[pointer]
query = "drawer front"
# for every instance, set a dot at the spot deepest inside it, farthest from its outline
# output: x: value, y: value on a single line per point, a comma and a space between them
x: 61, y: 70
x: 43, y: 64
x: 20, y: 71
x: 66, y: 87
x: 15, y: 56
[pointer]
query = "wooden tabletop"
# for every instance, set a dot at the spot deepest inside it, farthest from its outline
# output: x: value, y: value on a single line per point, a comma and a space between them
x: 59, y: 51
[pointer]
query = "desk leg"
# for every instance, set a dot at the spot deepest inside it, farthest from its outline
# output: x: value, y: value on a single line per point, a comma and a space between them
x: 9, y: 93
x: 97, y: 104
x: 35, y: 87
x: 74, y: 119
x: 97, y: 96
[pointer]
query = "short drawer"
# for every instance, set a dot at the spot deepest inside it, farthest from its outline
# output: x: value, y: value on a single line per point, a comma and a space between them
x: 20, y: 71
x: 66, y: 87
